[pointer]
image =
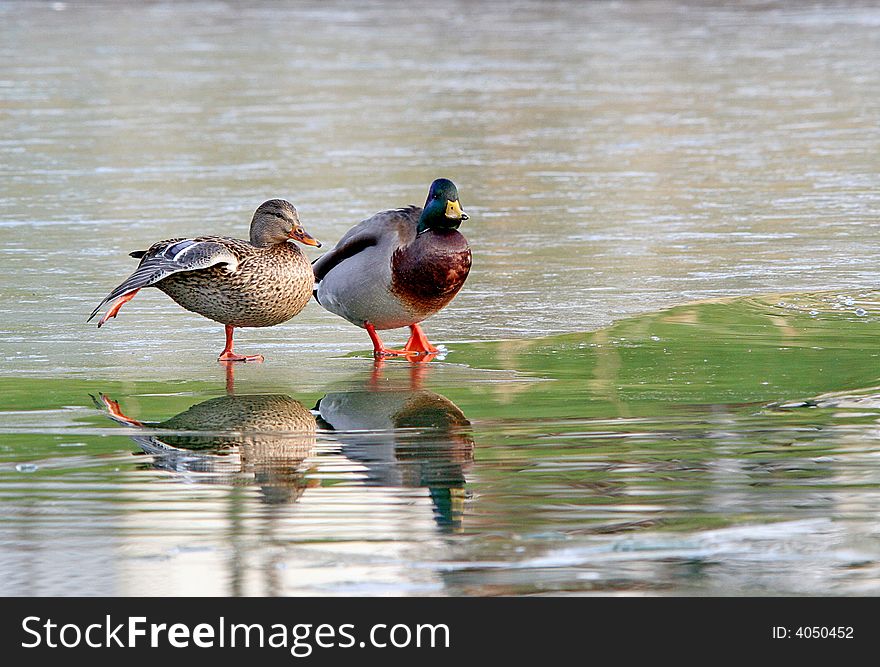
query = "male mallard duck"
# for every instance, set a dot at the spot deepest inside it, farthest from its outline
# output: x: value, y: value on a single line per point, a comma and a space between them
x: 414, y: 438
x: 398, y: 268
x: 238, y: 283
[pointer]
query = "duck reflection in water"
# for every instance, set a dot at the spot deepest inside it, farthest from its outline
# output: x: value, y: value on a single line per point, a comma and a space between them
x: 404, y: 436
x: 262, y: 439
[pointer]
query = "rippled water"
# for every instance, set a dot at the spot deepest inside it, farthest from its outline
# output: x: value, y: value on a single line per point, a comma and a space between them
x: 616, y: 159
x: 726, y: 447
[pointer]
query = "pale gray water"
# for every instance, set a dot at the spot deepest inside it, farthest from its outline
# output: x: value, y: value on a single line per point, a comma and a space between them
x: 616, y: 158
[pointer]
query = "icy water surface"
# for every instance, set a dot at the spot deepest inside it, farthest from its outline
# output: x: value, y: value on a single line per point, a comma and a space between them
x: 588, y: 430
x: 719, y: 448
x: 615, y: 158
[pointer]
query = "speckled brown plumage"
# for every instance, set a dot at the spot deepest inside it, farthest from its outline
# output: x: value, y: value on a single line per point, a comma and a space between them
x: 257, y: 283
x: 269, y: 287
x: 269, y: 425
x: 251, y: 438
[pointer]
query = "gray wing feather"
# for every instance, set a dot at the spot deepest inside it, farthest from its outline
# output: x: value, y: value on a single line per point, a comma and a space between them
x: 401, y: 223
x: 168, y: 257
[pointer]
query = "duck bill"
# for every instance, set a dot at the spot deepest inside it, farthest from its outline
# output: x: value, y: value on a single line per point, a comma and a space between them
x: 454, y: 212
x: 305, y: 238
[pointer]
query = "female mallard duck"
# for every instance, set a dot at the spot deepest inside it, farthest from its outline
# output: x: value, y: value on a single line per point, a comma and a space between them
x: 264, y: 438
x: 238, y: 283
x: 398, y: 268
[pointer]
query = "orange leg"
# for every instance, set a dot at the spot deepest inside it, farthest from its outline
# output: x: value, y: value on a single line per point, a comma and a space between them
x: 375, y: 381
x: 230, y: 377
x: 418, y: 342
x: 417, y: 370
x: 116, y: 412
x: 229, y: 355
x: 117, y: 304
x: 379, y: 349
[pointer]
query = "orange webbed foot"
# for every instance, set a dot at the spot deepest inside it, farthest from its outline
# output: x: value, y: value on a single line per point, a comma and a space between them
x: 229, y: 356
x: 379, y: 349
x: 418, y: 342
x: 383, y: 352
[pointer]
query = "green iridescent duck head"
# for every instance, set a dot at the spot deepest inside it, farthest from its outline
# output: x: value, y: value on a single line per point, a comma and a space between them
x: 442, y: 208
